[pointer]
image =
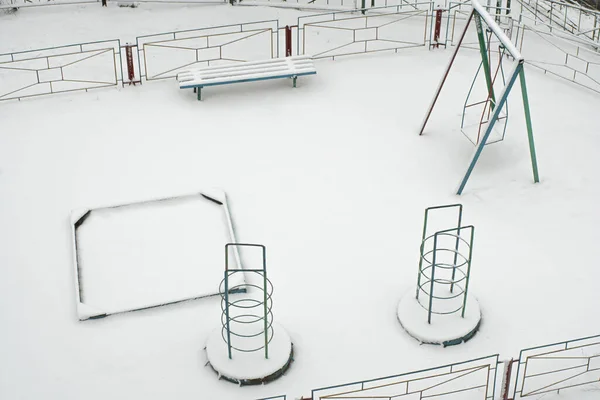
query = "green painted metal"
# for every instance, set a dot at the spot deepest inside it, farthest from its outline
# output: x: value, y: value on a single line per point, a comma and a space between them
x: 435, y: 238
x: 485, y: 60
x: 490, y: 127
x: 227, y: 310
x: 463, y: 266
x: 424, y: 235
x: 534, y: 166
x: 456, y: 246
x: 199, y: 93
x: 226, y: 290
x: 295, y: 77
x: 468, y: 271
x: 265, y: 308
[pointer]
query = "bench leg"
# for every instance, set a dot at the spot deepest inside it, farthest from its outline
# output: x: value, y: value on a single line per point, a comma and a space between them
x: 294, y: 78
x: 194, y: 90
x: 199, y: 93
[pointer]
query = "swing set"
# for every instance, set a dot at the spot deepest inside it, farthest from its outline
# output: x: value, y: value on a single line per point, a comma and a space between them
x: 484, y: 122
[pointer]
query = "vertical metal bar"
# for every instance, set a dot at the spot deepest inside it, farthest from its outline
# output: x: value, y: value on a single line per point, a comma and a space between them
x: 227, y: 311
x: 441, y: 84
x: 468, y: 272
x: 456, y: 247
x: 422, y: 248
x: 490, y: 127
x: 485, y: 60
x: 266, y: 326
x: 534, y: 166
x: 432, y: 279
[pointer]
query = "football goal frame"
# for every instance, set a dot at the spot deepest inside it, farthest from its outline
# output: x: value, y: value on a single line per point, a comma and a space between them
x: 497, y: 101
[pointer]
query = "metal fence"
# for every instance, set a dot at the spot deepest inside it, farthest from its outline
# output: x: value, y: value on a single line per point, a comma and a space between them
x: 558, y: 366
x: 60, y: 69
x: 163, y: 55
x: 473, y: 380
x: 347, y: 33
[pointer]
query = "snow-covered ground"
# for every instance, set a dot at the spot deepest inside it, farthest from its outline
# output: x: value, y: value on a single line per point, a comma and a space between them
x: 332, y: 177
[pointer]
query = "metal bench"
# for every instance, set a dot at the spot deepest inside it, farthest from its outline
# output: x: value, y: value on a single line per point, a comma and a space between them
x: 289, y: 67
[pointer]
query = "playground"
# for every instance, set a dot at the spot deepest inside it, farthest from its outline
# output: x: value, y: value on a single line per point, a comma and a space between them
x: 331, y: 176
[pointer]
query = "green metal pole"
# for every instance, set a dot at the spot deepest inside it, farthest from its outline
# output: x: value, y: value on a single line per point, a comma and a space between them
x: 484, y: 60
x: 227, y: 312
x: 456, y: 246
x: 536, y: 177
x: 422, y: 248
x: 489, y: 128
x: 468, y: 271
x: 265, y: 308
x: 432, y: 280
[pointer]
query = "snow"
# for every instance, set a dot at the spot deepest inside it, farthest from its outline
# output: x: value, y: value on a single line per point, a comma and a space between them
x: 272, y: 68
x: 152, y: 253
x: 333, y: 179
x: 251, y: 365
x: 443, y: 328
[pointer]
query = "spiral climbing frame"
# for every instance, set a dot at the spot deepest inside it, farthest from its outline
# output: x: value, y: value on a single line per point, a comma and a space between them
x: 247, y: 321
x: 442, y: 290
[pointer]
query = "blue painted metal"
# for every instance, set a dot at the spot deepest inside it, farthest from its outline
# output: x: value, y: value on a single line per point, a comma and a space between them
x: 490, y: 127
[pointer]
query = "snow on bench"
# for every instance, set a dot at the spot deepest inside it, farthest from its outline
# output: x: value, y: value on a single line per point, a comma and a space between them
x: 289, y: 67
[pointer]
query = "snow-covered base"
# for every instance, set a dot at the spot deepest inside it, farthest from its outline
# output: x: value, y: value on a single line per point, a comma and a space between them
x: 446, y: 330
x: 250, y: 368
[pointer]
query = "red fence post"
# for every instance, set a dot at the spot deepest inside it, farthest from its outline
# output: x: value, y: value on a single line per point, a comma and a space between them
x: 438, y: 27
x: 506, y: 379
x: 288, y: 41
x: 130, y: 68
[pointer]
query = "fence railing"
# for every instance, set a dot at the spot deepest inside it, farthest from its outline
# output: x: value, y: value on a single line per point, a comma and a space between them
x: 540, y: 370
x: 409, y: 24
x: 558, y: 366
x: 474, y: 379
x: 163, y: 55
x: 563, y: 58
x: 579, y: 21
x: 347, y: 33
x: 77, y: 67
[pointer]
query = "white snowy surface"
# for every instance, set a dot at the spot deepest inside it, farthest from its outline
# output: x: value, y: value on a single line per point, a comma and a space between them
x: 151, y: 253
x: 332, y: 177
x: 301, y: 65
x: 443, y: 328
x: 250, y: 365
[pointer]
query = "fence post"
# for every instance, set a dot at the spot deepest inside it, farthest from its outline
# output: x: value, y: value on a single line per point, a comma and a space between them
x: 288, y: 41
x: 438, y: 27
x: 506, y: 379
x: 130, y: 68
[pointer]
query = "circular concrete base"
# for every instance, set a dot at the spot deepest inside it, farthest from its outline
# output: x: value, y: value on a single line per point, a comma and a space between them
x: 446, y: 330
x: 250, y: 368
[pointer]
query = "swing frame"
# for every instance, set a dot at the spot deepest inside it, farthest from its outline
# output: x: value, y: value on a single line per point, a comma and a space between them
x: 478, y: 14
x: 489, y: 103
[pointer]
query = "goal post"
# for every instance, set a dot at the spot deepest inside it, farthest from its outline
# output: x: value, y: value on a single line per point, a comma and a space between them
x: 497, y: 101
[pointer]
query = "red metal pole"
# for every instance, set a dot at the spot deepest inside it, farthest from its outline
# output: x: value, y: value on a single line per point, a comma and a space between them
x: 438, y: 28
x: 441, y: 85
x: 130, y: 70
x: 288, y: 41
